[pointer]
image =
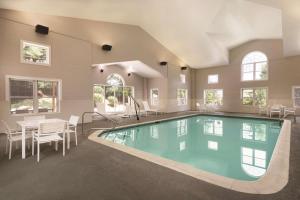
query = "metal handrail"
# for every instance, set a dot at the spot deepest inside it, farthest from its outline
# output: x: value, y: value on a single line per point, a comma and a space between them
x: 136, y: 104
x: 114, y: 122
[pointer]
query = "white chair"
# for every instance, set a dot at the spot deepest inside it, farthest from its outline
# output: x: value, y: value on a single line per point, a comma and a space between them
x: 48, y: 132
x: 148, y: 109
x: 73, y: 121
x: 289, y: 111
x: 275, y: 109
x: 201, y: 107
x: 13, y: 136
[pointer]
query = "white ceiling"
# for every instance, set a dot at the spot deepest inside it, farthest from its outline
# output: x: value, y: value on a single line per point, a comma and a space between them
x: 200, y: 32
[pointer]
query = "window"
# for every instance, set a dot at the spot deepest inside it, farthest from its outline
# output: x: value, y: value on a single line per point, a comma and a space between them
x: 33, y: 53
x: 182, y: 78
x: 115, y: 80
x: 28, y: 95
x: 113, y: 96
x: 182, y: 97
x: 213, y: 97
x: 154, y: 97
x: 254, y: 96
x: 255, y: 67
x: 213, y: 79
x: 296, y: 96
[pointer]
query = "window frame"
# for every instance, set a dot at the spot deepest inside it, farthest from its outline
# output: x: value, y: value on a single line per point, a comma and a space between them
x: 254, y: 67
x: 36, y: 44
x: 293, y: 96
x: 186, y: 97
x: 151, y: 97
x: 35, y: 97
x: 211, y: 83
x: 204, y: 96
x: 254, y: 88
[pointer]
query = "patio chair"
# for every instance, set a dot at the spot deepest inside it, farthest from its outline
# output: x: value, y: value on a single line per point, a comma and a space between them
x: 49, y: 132
x: 148, y: 109
x: 275, y: 109
x: 13, y: 136
x: 201, y: 107
x: 290, y: 111
x: 73, y: 121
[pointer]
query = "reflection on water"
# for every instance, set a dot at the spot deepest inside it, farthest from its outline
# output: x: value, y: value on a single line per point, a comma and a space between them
x: 213, y: 127
x: 212, y: 145
x: 181, y: 127
x: 154, y: 131
x: 254, y: 161
x: 231, y: 147
x: 182, y: 146
x: 257, y: 132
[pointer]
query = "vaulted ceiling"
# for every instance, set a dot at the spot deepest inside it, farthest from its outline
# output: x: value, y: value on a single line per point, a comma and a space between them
x: 200, y: 32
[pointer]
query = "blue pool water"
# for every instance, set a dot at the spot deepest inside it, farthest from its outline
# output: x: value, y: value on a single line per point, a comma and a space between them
x: 238, y: 148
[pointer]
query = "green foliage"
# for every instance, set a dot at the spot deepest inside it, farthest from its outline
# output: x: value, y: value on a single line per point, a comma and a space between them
x: 34, y: 53
x: 213, y: 97
x: 112, y: 101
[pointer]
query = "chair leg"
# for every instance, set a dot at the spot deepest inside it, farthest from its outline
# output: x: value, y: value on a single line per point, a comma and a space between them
x: 56, y: 146
x: 64, y: 138
x: 38, y: 151
x: 10, y: 147
x: 6, y: 147
x: 76, y: 138
x: 69, y: 140
x: 32, y: 146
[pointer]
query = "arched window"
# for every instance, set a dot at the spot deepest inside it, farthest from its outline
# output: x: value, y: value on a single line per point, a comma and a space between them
x: 255, y: 67
x: 115, y: 80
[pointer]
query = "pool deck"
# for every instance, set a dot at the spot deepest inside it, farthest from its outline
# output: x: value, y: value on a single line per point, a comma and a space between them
x: 94, y: 171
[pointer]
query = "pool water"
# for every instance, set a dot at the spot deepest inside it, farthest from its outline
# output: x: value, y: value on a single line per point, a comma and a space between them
x: 238, y: 148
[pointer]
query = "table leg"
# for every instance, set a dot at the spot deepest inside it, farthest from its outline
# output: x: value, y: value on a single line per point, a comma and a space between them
x: 68, y: 137
x: 23, y: 143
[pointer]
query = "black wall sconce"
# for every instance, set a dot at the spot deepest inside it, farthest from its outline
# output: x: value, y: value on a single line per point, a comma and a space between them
x: 41, y: 29
x: 183, y: 68
x: 101, y: 70
x: 163, y: 63
x: 106, y: 47
x: 129, y: 74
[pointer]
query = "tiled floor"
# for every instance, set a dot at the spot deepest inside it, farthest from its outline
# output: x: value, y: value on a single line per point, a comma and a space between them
x: 94, y: 171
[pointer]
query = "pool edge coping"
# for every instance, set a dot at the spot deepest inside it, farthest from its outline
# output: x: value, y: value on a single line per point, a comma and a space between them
x: 273, y: 181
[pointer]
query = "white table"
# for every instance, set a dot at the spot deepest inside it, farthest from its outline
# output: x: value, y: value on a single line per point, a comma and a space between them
x: 35, y: 124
